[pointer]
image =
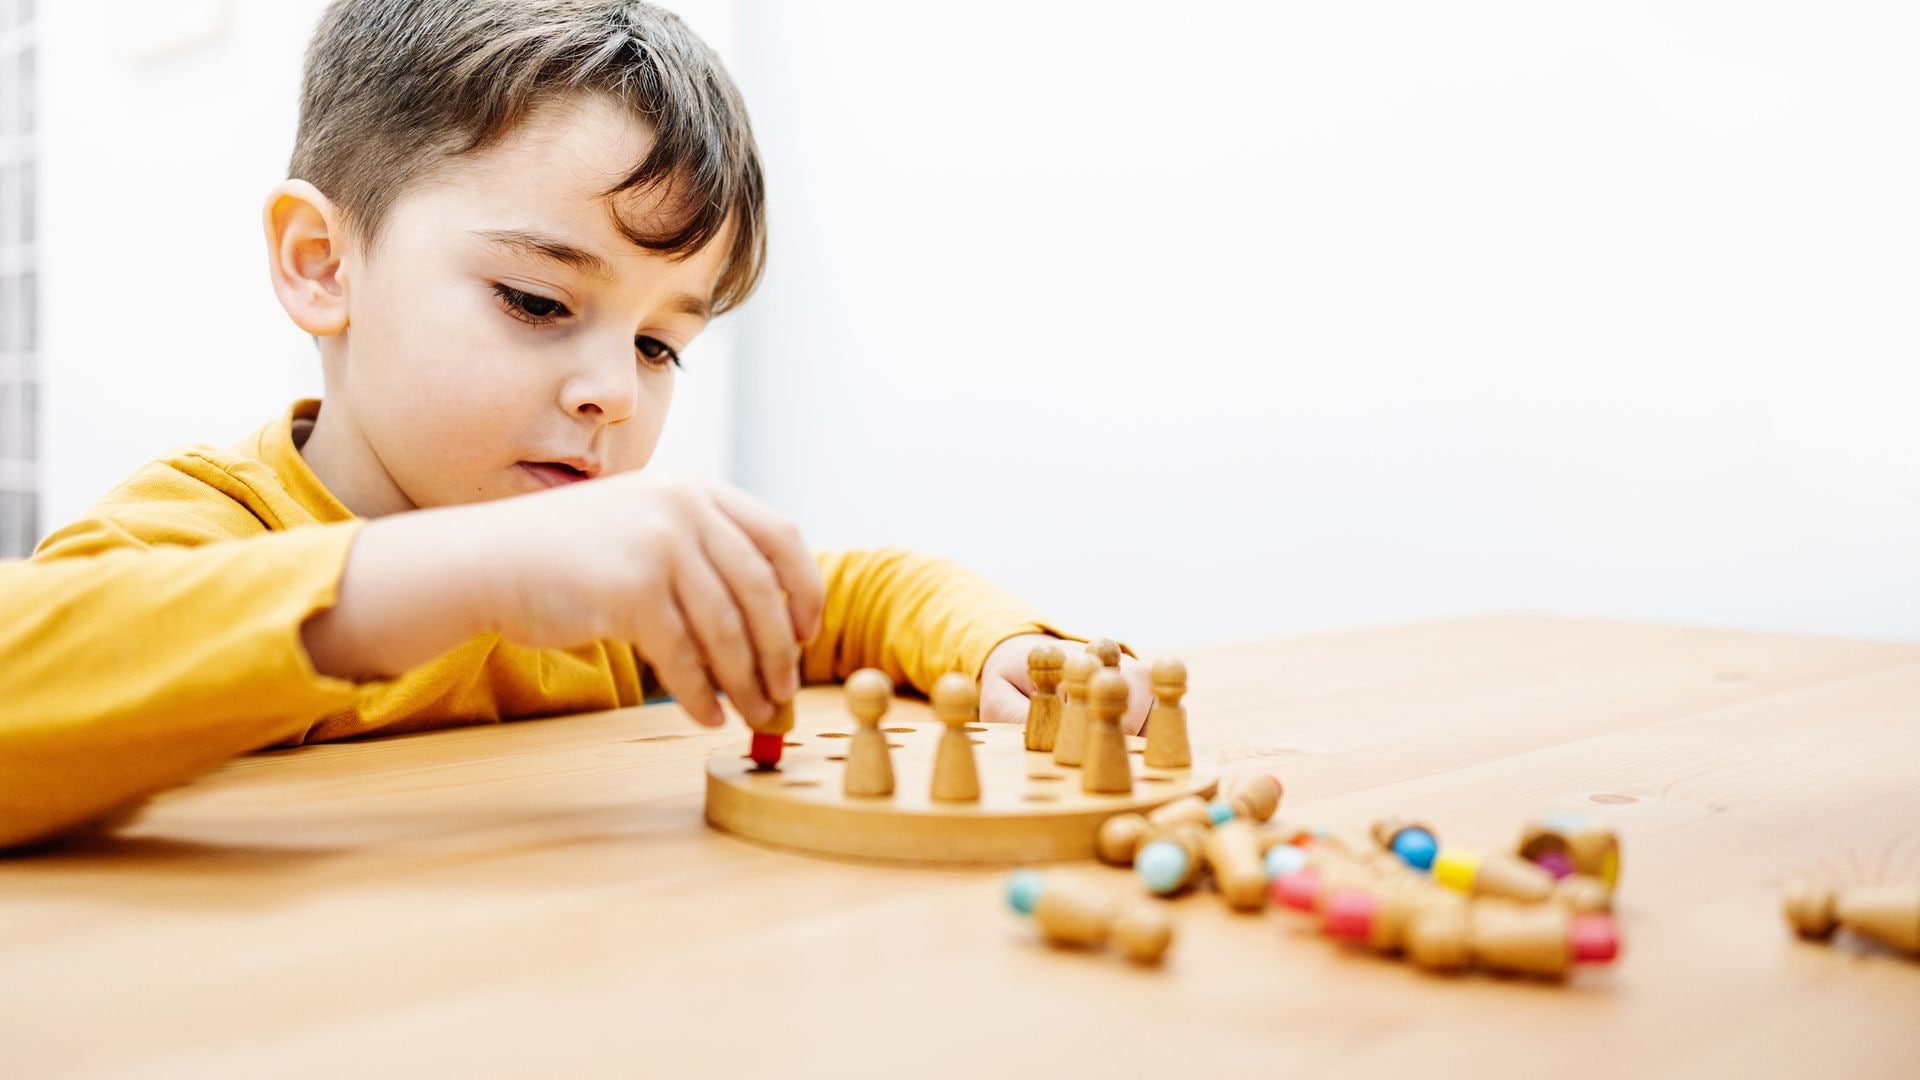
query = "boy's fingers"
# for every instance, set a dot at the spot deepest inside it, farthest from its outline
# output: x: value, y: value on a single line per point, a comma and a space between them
x: 721, y: 630
x: 1139, y: 676
x: 756, y: 591
x: 1001, y: 702
x: 780, y: 542
x: 664, y: 641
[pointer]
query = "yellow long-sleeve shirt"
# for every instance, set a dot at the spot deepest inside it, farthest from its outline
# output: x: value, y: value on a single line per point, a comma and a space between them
x: 160, y: 635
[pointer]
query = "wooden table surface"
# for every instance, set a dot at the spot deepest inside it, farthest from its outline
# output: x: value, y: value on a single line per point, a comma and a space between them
x: 543, y: 898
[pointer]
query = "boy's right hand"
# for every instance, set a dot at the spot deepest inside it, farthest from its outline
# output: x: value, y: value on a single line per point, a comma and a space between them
x: 691, y: 574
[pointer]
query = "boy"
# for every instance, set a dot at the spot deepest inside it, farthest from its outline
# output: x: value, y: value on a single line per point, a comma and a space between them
x: 505, y: 224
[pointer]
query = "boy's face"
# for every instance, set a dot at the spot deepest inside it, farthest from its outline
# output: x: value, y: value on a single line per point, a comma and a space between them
x: 503, y: 336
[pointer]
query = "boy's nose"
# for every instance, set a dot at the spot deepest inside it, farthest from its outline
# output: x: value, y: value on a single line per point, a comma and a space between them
x: 601, y: 397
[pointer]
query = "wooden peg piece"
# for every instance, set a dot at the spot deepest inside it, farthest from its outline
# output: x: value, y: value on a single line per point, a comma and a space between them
x: 1571, y: 839
x: 1106, y: 770
x: 1887, y: 914
x: 1253, y: 796
x: 1120, y: 838
x: 956, y: 702
x: 1233, y: 853
x: 1167, y: 745
x: 1890, y: 916
x: 869, y: 762
x: 1809, y: 909
x: 1045, y: 666
x: 1106, y: 650
x: 1143, y: 931
x: 1070, y: 747
x: 1191, y: 810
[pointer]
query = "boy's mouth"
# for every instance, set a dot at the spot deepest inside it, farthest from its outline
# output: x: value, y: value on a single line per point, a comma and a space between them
x: 556, y: 473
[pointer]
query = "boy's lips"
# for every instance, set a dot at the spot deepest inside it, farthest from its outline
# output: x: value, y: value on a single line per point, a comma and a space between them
x: 562, y: 471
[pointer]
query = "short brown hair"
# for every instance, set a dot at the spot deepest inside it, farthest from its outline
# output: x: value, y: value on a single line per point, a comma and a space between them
x: 395, y: 88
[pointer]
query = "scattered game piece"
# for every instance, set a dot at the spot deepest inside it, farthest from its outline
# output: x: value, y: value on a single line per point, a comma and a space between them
x: 1219, y: 813
x: 1044, y: 666
x: 1105, y: 650
x: 1888, y: 914
x: 1416, y: 844
x: 770, y: 739
x: 1567, y: 843
x: 1167, y: 746
x: 1381, y: 917
x: 1522, y: 939
x: 1504, y: 876
x: 1172, y: 861
x: 956, y: 702
x: 1106, y: 770
x: 1284, y: 859
x: 1326, y: 870
x: 1233, y: 854
x: 1069, y: 746
x: 1254, y: 796
x: 1191, y: 810
x: 1121, y: 837
x: 869, y: 764
x: 1075, y: 914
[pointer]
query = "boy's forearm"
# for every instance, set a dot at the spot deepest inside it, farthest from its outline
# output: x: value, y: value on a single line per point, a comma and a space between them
x: 408, y: 593
x: 124, y: 672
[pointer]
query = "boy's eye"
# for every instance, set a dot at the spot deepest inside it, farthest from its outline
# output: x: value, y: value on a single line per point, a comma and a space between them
x: 655, y: 352
x: 530, y: 307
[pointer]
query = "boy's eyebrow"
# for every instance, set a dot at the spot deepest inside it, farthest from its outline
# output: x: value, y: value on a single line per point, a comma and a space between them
x: 550, y: 249
x: 554, y: 249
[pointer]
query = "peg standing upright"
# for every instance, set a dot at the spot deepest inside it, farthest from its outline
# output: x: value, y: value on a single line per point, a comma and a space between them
x: 869, y: 763
x: 1167, y: 746
x: 1106, y: 650
x: 1106, y: 770
x: 1070, y: 747
x: 1044, y: 666
x: 956, y: 701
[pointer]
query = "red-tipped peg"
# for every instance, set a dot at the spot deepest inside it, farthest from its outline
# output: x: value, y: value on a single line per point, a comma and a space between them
x: 766, y: 749
x: 1594, y: 939
x: 1348, y: 914
x: 1297, y: 891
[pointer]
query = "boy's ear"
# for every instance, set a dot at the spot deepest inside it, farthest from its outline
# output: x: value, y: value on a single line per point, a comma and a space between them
x: 306, y: 243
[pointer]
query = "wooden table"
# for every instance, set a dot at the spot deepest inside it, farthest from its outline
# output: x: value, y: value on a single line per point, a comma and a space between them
x: 543, y: 898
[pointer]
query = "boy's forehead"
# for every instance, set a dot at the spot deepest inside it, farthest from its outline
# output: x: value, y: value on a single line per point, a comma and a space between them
x: 547, y: 180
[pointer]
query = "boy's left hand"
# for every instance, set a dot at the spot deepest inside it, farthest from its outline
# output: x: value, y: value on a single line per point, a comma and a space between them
x: 1005, y: 685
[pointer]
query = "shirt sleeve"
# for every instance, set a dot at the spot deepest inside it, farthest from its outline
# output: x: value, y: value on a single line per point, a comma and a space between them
x: 913, y: 616
x: 130, y: 669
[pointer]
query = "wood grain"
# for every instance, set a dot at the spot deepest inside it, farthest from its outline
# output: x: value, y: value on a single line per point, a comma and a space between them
x: 543, y: 896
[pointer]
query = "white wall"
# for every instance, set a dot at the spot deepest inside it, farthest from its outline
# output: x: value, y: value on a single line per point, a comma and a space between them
x: 1218, y: 320
x: 1191, y: 322
x: 164, y: 126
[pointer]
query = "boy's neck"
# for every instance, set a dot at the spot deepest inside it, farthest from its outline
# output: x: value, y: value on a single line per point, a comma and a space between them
x: 339, y: 456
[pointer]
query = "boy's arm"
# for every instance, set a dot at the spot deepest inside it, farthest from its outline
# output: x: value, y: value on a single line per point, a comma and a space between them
x: 916, y: 618
x: 913, y: 616
x: 126, y: 671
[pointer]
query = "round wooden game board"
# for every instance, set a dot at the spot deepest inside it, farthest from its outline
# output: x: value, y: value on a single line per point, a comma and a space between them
x: 1030, y: 809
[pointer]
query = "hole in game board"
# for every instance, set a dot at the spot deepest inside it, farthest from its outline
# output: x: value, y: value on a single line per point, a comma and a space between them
x: 975, y: 727
x: 1138, y: 750
x: 978, y: 742
x: 896, y: 746
x: 1040, y: 796
x: 836, y: 734
x: 898, y: 730
x: 799, y: 783
x: 792, y: 743
x: 836, y: 757
x: 1158, y: 779
x: 1045, y: 776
